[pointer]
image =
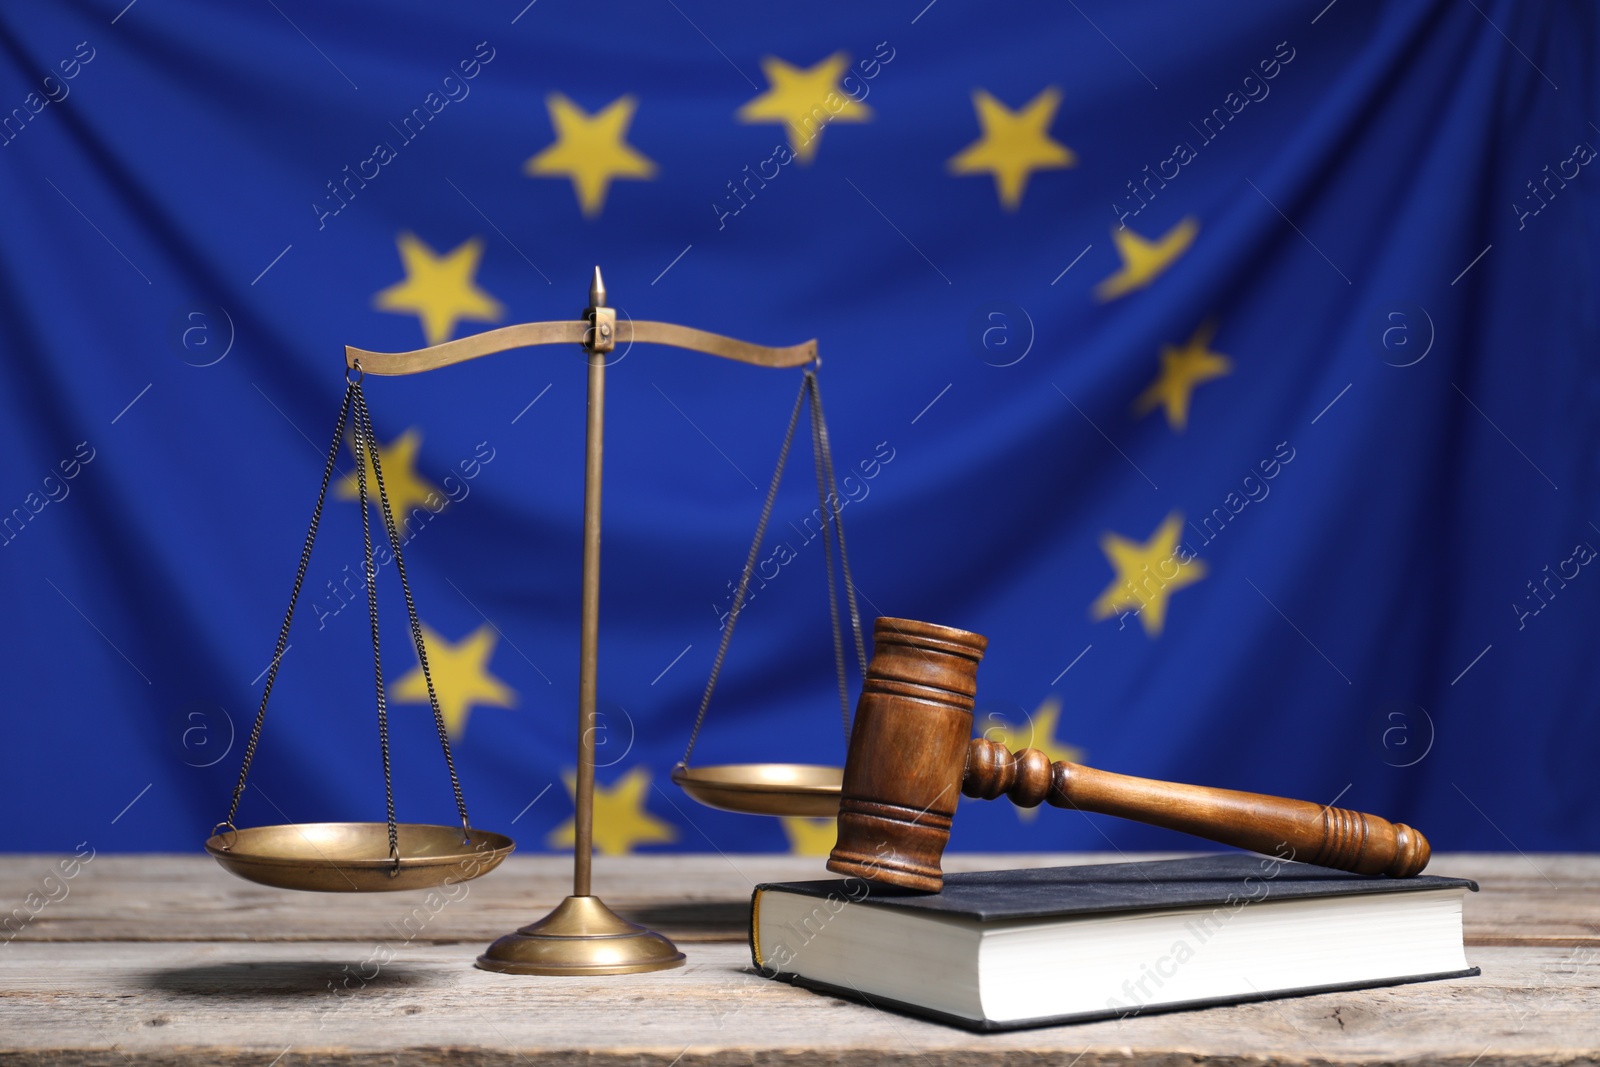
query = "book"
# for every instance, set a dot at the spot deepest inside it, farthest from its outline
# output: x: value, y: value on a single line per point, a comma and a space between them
x: 1003, y: 950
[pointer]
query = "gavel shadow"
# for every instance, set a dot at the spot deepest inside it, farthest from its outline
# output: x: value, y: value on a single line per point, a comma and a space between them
x: 283, y: 979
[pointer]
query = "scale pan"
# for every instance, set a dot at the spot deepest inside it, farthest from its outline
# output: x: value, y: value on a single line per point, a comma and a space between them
x: 353, y: 857
x: 764, y: 788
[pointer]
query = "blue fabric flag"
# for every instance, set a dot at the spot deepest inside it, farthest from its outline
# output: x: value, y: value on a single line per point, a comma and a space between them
x: 1233, y: 368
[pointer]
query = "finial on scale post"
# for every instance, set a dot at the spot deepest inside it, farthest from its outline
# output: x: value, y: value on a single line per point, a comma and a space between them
x: 602, y: 334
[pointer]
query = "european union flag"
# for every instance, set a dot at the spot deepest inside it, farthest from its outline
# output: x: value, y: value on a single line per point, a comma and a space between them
x: 1231, y: 367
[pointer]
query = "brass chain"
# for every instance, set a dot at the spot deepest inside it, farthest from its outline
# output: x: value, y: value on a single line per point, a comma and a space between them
x: 359, y: 447
x: 828, y: 499
x: 838, y: 522
x: 364, y: 444
x: 294, y: 596
x: 364, y: 418
x: 744, y: 576
x: 826, y: 508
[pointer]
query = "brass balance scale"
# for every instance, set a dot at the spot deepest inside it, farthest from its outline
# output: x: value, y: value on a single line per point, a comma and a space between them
x: 581, y: 936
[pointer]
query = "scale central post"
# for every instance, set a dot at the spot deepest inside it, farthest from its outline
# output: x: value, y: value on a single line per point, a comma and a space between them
x: 603, y: 321
x: 582, y: 935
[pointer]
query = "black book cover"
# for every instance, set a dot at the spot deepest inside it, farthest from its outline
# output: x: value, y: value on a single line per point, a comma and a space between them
x: 1223, y: 880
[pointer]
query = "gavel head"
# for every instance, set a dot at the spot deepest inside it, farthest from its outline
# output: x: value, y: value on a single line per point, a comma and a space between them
x: 908, y: 750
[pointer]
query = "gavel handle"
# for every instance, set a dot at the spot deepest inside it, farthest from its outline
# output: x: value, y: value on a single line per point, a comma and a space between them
x: 1292, y: 829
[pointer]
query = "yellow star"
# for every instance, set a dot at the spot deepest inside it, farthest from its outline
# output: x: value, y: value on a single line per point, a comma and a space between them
x: 804, y: 101
x: 460, y: 676
x: 592, y: 150
x: 1014, y: 144
x: 1182, y: 369
x: 1147, y: 575
x: 439, y: 289
x: 406, y: 488
x: 620, y: 819
x: 810, y: 837
x: 1144, y: 261
x: 1041, y: 734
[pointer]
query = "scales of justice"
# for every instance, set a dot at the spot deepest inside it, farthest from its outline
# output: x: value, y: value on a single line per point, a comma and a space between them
x: 582, y: 936
x: 911, y: 754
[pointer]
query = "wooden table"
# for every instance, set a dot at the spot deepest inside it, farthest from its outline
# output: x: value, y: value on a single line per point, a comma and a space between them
x: 169, y: 960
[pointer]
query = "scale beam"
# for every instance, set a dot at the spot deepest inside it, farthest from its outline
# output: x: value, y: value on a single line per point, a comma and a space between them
x: 576, y: 332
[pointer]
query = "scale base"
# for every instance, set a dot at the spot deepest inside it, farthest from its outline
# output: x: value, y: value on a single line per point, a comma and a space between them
x: 581, y: 936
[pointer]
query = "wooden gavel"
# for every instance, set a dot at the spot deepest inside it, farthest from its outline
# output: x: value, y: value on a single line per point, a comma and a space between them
x: 912, y: 753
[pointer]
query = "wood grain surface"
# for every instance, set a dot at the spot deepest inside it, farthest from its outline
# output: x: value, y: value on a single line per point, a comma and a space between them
x: 168, y: 960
